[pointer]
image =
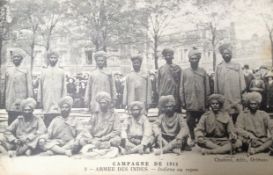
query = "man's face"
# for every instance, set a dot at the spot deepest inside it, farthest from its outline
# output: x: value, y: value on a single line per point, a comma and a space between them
x: 253, y: 106
x: 194, y: 60
x: 136, y: 64
x: 27, y: 111
x: 53, y: 59
x: 168, y: 56
x: 169, y: 108
x: 100, y: 62
x: 103, y: 105
x: 65, y: 110
x: 227, y: 55
x: 135, y: 111
x: 17, y: 60
x: 215, y: 105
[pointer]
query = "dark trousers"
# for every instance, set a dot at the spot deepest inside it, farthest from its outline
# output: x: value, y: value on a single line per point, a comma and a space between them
x: 48, y: 118
x: 12, y: 115
x: 193, y: 118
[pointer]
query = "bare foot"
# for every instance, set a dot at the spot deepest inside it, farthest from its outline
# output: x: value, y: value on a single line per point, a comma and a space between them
x: 68, y: 153
x: 28, y: 152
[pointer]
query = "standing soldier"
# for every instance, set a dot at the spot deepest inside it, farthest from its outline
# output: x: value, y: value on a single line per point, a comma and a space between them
x: 194, y: 89
x: 137, y: 85
x: 99, y: 80
x: 52, y: 88
x: 229, y: 77
x: 18, y: 86
x: 169, y: 78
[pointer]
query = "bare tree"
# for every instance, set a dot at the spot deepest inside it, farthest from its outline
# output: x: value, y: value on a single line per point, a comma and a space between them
x: 208, y: 17
x: 160, y: 14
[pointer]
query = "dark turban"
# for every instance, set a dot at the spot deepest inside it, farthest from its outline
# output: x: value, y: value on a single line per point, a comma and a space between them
x: 66, y: 100
x: 30, y: 102
x: 225, y: 47
x: 220, y: 98
x: 138, y: 104
x: 165, y: 51
x: 137, y: 58
x: 163, y: 100
x: 103, y: 96
x: 194, y: 51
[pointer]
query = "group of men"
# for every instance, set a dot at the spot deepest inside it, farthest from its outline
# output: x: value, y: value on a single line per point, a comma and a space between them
x: 208, y: 122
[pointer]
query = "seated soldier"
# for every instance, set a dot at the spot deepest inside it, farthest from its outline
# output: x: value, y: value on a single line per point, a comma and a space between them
x: 62, y: 131
x: 24, y: 133
x: 170, y: 129
x: 215, y: 131
x: 102, y: 135
x: 253, y: 125
x: 137, y: 130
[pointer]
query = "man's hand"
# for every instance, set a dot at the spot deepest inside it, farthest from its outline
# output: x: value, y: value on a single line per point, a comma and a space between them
x: 18, y: 142
x: 179, y: 142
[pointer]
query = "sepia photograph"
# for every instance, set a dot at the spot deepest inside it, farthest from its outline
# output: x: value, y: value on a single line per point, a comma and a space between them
x: 179, y: 87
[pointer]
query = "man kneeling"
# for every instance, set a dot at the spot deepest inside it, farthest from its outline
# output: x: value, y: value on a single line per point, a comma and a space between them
x: 171, y: 130
x: 62, y: 132
x: 215, y: 131
x: 254, y: 125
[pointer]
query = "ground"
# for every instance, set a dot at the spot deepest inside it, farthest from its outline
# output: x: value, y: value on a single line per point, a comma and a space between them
x: 188, y: 163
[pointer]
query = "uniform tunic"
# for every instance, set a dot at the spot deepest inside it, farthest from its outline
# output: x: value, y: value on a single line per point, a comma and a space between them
x: 137, y: 88
x: 229, y: 81
x: 169, y: 81
x: 138, y: 129
x: 215, y: 127
x: 106, y: 127
x: 62, y: 131
x: 99, y: 80
x: 172, y: 127
x: 52, y: 88
x: 194, y: 89
x: 258, y: 125
x: 20, y: 129
x: 18, y: 87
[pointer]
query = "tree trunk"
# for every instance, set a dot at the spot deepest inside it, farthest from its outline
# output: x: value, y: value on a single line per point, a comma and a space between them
x: 271, y: 41
x: 32, y: 47
x: 155, y: 51
x: 48, y: 41
x: 213, y: 53
x: 214, y: 59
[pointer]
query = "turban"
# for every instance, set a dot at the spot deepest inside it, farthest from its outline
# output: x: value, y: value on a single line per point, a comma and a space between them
x: 193, y: 52
x: 18, y: 53
x: 138, y: 104
x: 66, y: 100
x: 225, y: 47
x: 253, y: 96
x: 165, y: 51
x: 52, y: 53
x: 163, y: 100
x: 220, y: 98
x: 100, y: 54
x: 30, y: 102
x: 137, y: 58
x: 103, y: 96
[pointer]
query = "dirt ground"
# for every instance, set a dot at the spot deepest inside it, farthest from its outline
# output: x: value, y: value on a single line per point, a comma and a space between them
x: 188, y: 163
